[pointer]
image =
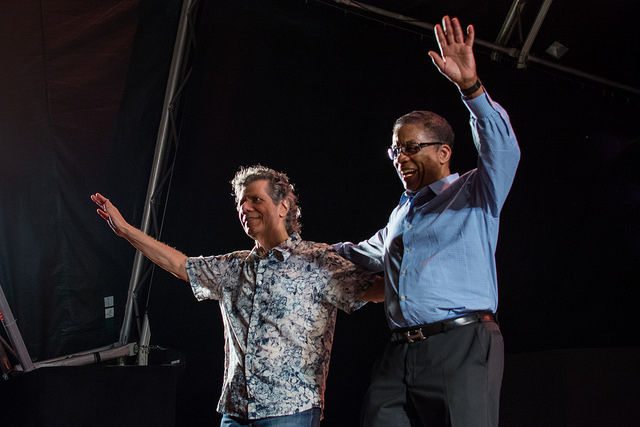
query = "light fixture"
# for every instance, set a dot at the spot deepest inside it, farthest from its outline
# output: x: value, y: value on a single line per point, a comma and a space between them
x: 556, y: 50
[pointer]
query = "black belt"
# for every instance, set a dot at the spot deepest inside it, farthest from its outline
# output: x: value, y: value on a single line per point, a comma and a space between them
x: 421, y: 332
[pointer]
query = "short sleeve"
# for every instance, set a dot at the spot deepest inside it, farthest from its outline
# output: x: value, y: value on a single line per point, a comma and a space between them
x: 347, y: 282
x: 206, y: 274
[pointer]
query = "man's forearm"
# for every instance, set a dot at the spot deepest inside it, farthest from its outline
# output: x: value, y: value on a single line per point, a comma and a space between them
x: 376, y: 292
x: 160, y: 254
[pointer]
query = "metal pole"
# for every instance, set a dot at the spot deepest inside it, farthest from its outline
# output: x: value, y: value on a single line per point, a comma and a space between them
x: 158, y: 161
x: 512, y: 19
x: 13, y: 332
x: 512, y: 52
x: 145, y: 337
x: 533, y: 32
x: 90, y: 357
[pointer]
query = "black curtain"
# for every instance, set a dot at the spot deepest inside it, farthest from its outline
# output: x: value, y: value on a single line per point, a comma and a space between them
x: 313, y: 91
x: 82, y: 88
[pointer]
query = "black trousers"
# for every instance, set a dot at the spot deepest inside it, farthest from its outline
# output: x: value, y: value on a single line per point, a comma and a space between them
x: 450, y: 379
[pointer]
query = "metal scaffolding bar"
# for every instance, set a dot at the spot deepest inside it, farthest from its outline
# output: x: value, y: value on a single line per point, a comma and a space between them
x: 533, y: 32
x: 511, y: 21
x: 91, y: 356
x: 160, y: 170
x: 512, y: 52
x: 10, y: 325
x: 159, y: 173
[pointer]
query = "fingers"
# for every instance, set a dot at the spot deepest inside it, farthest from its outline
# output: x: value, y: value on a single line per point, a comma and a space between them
x: 450, y: 32
x: 440, y: 36
x: 101, y: 201
x: 456, y: 30
x: 471, y: 36
x: 103, y: 214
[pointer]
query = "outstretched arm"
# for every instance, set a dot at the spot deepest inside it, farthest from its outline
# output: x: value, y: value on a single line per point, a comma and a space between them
x: 164, y: 256
x: 456, y: 60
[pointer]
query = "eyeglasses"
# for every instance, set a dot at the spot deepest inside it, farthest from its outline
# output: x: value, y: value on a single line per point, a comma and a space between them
x: 409, y: 149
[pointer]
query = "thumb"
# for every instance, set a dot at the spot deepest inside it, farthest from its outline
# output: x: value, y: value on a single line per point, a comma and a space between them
x: 437, y: 60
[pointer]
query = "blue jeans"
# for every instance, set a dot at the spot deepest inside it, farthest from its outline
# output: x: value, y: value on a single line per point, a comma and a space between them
x: 309, y: 418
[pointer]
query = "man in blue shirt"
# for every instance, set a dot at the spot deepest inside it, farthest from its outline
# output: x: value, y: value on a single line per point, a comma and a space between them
x: 443, y: 366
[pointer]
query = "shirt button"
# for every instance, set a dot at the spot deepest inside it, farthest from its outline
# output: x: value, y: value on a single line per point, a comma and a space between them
x: 403, y: 297
x: 409, y: 226
x: 408, y: 250
x: 404, y: 271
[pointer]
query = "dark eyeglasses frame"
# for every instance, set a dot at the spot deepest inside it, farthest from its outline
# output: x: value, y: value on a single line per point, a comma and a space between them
x: 409, y: 149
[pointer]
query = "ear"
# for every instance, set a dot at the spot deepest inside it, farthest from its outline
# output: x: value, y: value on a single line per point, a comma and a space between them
x: 284, y: 208
x: 444, y: 153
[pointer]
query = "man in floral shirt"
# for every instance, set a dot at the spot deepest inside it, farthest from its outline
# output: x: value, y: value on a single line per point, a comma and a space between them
x: 278, y: 302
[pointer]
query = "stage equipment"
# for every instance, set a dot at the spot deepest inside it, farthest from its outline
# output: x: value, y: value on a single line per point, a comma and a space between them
x: 161, y: 171
x: 499, y: 48
x: 159, y: 180
x: 11, y: 326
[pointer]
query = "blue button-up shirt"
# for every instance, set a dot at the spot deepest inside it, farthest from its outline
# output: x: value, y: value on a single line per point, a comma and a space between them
x: 438, y: 248
x: 279, y: 316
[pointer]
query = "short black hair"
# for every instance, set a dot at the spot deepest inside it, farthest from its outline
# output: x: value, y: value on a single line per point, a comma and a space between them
x: 437, y: 126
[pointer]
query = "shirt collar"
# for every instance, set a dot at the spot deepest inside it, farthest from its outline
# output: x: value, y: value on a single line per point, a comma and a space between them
x: 436, y: 187
x: 282, y: 252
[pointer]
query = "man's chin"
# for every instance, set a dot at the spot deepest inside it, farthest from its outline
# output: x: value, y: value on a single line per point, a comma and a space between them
x: 408, y: 186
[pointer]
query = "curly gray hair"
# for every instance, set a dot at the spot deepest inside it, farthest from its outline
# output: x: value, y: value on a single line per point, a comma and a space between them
x: 279, y: 189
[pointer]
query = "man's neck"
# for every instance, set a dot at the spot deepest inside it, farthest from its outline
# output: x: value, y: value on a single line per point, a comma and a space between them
x: 411, y: 193
x: 263, y: 246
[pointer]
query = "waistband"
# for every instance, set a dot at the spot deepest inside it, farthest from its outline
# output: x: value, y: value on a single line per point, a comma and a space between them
x: 422, y: 332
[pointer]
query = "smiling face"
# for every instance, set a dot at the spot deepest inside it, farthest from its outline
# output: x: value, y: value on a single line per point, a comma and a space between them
x: 427, y: 166
x: 262, y: 219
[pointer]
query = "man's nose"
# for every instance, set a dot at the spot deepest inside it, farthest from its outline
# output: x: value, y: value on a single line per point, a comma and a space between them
x: 246, y: 206
x: 401, y: 158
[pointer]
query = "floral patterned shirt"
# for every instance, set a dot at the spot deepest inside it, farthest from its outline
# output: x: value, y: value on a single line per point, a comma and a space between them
x: 279, y: 316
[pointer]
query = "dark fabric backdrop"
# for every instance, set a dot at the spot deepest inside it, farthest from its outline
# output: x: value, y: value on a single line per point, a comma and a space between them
x: 312, y: 91
x: 308, y: 90
x: 82, y: 89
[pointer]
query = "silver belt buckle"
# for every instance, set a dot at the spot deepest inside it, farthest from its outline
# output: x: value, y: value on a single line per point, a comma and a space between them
x: 412, y: 337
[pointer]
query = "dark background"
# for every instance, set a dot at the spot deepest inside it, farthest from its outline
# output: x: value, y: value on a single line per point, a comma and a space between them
x: 311, y: 89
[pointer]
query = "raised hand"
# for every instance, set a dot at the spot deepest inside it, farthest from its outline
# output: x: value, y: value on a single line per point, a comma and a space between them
x: 456, y: 60
x: 165, y: 256
x: 110, y: 213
